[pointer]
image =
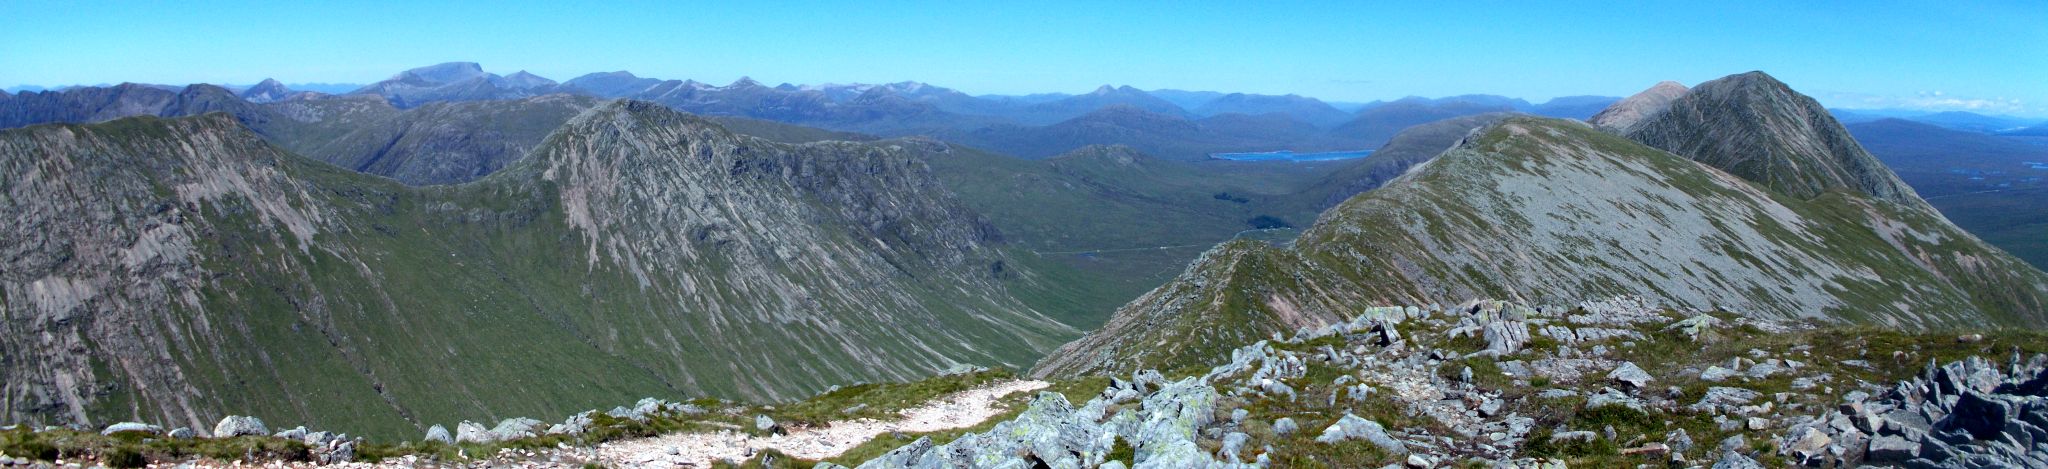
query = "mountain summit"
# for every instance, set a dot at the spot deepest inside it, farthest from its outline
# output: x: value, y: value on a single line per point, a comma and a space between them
x: 1548, y: 211
x: 1754, y: 126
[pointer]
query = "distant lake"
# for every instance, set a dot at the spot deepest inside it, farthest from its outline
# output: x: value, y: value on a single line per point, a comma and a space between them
x: 1284, y: 155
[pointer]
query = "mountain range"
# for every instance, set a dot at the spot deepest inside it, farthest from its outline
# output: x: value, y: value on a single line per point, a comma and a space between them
x: 181, y: 253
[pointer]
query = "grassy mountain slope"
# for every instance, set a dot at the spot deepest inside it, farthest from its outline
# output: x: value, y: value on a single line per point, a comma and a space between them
x: 172, y: 270
x: 1549, y: 211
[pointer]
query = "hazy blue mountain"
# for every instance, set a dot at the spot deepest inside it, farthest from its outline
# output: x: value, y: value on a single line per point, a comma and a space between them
x: 1572, y: 107
x: 267, y: 91
x: 610, y: 84
x: 1298, y: 107
x: 1188, y: 99
x: 1103, y: 97
x: 1374, y: 125
x: 454, y: 81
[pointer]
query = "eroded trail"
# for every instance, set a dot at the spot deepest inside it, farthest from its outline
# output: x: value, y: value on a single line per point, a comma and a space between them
x: 960, y: 410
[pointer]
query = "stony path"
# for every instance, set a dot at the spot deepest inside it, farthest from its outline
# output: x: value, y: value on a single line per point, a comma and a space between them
x: 961, y: 410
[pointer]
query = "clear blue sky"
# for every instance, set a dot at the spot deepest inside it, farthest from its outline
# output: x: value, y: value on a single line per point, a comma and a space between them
x: 1992, y: 55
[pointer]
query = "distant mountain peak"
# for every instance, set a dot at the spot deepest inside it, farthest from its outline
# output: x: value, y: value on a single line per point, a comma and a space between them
x: 449, y: 72
x: 1633, y: 109
x: 1103, y: 90
x: 266, y: 91
x: 745, y: 82
x: 523, y: 80
x: 1757, y: 127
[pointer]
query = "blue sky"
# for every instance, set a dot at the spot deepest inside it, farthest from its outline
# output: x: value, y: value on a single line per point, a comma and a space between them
x: 1983, y: 56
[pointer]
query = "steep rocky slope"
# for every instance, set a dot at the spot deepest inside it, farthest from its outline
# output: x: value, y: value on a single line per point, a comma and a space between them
x: 1543, y: 211
x: 171, y: 269
x: 1624, y: 115
x: 1756, y: 127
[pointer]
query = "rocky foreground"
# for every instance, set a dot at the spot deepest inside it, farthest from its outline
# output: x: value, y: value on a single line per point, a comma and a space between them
x: 1487, y: 384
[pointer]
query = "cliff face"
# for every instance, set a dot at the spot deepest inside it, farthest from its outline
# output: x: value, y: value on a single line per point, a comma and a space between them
x: 169, y: 270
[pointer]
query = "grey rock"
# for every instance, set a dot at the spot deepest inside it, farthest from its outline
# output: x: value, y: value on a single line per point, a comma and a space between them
x: 438, y: 433
x: 1810, y: 444
x: 132, y: 427
x: 472, y: 432
x: 1285, y: 426
x: 515, y: 428
x: 1233, y: 443
x: 1733, y: 443
x: 1574, y: 436
x: 763, y: 423
x: 1891, y: 449
x: 236, y: 425
x: 1678, y: 440
x: 294, y: 433
x: 1630, y: 374
x: 574, y: 425
x: 1353, y: 427
x: 180, y: 433
x: 1716, y: 373
x: 1983, y: 417
x: 1734, y: 460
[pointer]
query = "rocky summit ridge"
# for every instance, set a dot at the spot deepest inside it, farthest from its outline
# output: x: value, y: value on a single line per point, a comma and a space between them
x: 1545, y: 210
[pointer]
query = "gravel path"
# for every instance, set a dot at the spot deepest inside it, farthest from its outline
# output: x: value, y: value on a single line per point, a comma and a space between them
x: 961, y: 410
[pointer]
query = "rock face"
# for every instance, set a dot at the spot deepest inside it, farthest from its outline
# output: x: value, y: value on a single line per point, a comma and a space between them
x: 1629, y: 112
x: 161, y: 261
x: 1545, y: 211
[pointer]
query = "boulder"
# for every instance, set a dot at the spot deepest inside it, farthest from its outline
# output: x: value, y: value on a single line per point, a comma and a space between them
x: 236, y: 425
x: 515, y: 428
x: 1983, y: 417
x: 1809, y: 444
x: 296, y: 433
x: 1285, y: 426
x: 1353, y: 427
x: 472, y: 432
x: 438, y: 433
x: 1233, y: 444
x: 180, y: 433
x: 574, y: 425
x: 763, y: 423
x: 1891, y: 448
x: 1678, y: 441
x: 1734, y: 460
x: 138, y: 427
x: 1715, y: 373
x: 1630, y: 374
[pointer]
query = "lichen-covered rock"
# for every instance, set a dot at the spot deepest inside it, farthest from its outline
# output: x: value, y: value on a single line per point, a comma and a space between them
x: 1630, y: 374
x: 1353, y: 427
x: 236, y: 425
x: 1284, y: 426
x: 137, y: 427
x: 472, y: 432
